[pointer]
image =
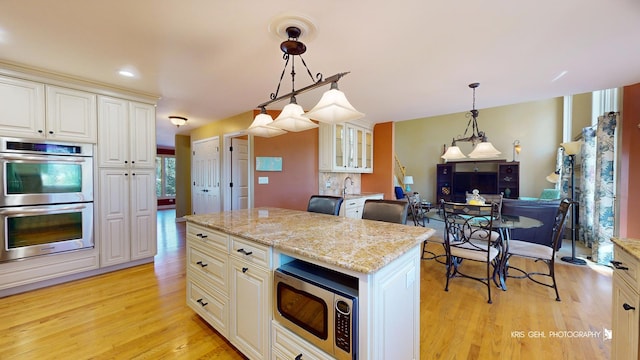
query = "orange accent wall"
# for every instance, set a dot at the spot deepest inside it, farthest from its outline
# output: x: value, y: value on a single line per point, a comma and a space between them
x: 383, y: 162
x: 298, y: 180
x: 629, y: 192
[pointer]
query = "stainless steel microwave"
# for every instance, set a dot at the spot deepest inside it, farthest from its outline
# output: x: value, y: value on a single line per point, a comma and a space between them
x: 319, y: 305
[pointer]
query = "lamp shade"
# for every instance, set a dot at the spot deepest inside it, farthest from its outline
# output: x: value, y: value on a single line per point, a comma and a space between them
x: 553, y: 177
x: 453, y: 153
x: 484, y: 150
x: 291, y: 119
x: 571, y: 148
x: 261, y: 126
x: 408, y: 180
x: 334, y: 107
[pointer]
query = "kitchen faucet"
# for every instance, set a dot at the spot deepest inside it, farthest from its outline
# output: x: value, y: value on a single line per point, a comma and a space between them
x: 344, y: 189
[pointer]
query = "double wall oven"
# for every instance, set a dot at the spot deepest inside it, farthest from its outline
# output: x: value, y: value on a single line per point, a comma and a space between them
x: 46, y: 203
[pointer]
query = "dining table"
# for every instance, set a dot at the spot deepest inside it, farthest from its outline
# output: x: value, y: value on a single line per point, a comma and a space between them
x: 503, y: 224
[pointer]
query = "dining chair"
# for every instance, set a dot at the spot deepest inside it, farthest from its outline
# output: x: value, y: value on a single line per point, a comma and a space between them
x: 467, y: 236
x: 418, y: 215
x: 394, y: 211
x: 492, y: 199
x: 540, y: 252
x: 325, y: 204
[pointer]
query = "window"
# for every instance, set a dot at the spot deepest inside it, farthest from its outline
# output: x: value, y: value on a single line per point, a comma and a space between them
x: 165, y: 176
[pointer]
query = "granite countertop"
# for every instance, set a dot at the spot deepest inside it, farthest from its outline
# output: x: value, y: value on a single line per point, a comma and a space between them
x: 363, y: 246
x: 632, y: 246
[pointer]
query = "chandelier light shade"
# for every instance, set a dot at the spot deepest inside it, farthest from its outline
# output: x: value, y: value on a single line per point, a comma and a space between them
x: 291, y: 119
x: 483, y: 149
x: 332, y: 108
x: 453, y: 153
x: 178, y: 120
x: 262, y: 126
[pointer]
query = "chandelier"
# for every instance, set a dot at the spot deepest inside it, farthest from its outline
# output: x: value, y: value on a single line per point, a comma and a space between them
x: 333, y: 107
x: 482, y: 148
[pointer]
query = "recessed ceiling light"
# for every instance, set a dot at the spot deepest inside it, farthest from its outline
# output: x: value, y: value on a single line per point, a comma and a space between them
x: 126, y: 73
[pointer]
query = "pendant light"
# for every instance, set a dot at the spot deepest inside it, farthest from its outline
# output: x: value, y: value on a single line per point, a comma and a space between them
x: 483, y: 149
x: 332, y: 108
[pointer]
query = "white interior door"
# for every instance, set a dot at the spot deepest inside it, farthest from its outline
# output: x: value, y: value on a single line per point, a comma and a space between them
x: 239, y: 174
x: 205, y: 173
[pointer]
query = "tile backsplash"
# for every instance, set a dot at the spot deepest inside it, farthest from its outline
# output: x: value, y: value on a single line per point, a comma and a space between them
x: 333, y: 183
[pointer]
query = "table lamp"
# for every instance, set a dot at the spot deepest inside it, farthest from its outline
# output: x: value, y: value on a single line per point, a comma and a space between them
x: 408, y: 180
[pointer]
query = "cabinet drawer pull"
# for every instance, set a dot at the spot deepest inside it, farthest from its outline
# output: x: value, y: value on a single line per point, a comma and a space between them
x: 201, y: 302
x: 244, y: 270
x: 299, y: 357
x: 628, y: 307
x: 618, y: 265
x: 202, y: 264
x: 201, y: 236
x: 243, y: 251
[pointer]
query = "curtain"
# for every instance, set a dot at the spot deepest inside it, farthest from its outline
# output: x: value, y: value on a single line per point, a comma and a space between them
x: 596, y: 211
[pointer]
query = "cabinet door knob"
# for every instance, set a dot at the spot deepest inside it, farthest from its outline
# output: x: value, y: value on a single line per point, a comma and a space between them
x: 299, y: 357
x: 50, y: 132
x: 244, y: 270
x: 40, y: 131
x: 628, y: 307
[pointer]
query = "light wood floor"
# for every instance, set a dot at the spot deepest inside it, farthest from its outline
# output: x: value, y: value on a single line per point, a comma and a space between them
x: 140, y: 313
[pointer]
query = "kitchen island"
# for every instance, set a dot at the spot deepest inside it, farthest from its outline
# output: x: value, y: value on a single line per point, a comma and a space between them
x: 240, y: 249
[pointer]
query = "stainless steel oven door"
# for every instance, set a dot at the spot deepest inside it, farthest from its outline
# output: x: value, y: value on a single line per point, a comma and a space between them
x: 40, y: 230
x: 33, y: 179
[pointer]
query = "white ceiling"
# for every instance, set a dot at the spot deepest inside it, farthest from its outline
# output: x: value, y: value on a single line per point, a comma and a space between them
x: 212, y: 59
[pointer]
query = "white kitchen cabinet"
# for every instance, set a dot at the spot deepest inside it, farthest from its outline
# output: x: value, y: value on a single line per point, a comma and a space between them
x: 352, y: 206
x: 21, y: 107
x: 71, y: 115
x: 345, y: 147
x: 127, y: 200
x: 36, y: 111
x: 207, y: 276
x: 287, y: 345
x: 250, y: 289
x: 127, y: 215
x: 626, y: 306
x: 127, y: 133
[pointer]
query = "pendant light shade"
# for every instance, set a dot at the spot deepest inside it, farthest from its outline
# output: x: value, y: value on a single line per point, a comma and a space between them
x: 453, y: 153
x: 291, y: 119
x: 262, y: 126
x: 334, y: 107
x: 484, y: 150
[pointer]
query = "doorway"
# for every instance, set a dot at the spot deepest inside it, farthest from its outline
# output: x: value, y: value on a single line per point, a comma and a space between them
x: 237, y: 189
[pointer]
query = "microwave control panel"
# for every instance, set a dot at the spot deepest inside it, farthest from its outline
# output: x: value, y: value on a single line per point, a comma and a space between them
x: 343, y: 325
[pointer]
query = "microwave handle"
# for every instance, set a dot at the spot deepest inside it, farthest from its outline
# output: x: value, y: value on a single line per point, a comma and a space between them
x: 39, y: 159
x: 42, y: 210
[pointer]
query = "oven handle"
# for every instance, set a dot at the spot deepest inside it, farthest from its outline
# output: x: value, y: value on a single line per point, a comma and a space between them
x: 47, y: 210
x: 41, y: 159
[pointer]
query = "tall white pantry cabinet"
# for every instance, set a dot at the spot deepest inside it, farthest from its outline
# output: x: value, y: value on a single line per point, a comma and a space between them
x: 126, y: 177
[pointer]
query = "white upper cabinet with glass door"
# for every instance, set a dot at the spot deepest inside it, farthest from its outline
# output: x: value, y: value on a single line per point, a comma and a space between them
x: 345, y: 147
